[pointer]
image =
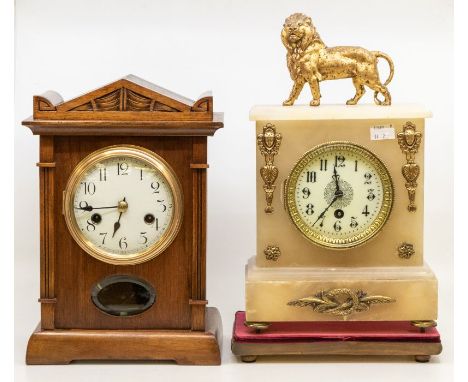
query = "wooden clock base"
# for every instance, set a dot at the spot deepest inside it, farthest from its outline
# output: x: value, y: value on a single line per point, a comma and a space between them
x: 185, y: 347
x: 388, y: 338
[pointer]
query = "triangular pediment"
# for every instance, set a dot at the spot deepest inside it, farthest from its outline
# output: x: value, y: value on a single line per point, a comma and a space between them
x: 129, y: 98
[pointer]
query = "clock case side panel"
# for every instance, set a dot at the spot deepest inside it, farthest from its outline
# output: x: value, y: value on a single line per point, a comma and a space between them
x: 76, y: 272
x: 277, y: 230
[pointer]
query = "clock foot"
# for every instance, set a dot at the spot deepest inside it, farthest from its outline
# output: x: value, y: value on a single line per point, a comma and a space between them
x: 185, y: 347
x: 422, y: 358
x: 258, y: 327
x: 248, y: 358
x: 424, y: 325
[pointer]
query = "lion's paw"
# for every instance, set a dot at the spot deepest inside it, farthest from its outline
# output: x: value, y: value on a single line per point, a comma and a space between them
x: 315, y: 102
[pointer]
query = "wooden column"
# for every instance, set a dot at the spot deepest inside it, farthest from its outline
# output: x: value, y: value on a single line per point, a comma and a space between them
x: 198, y: 264
x: 47, y: 221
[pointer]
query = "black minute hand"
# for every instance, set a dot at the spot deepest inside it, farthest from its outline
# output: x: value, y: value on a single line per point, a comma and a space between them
x: 326, y: 209
x: 90, y: 208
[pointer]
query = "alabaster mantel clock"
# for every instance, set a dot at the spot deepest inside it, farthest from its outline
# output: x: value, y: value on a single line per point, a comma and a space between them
x: 123, y: 226
x: 339, y: 265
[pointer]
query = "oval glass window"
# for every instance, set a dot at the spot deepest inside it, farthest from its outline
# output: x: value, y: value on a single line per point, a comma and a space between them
x: 122, y: 295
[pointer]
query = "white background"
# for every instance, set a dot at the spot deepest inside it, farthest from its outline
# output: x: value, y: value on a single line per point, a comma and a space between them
x: 234, y: 49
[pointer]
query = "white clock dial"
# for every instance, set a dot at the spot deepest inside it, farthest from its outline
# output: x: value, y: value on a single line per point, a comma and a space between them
x: 146, y: 205
x: 339, y: 195
x: 123, y: 204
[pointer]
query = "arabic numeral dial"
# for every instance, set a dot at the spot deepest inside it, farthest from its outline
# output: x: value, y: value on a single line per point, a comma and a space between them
x: 123, y: 203
x: 342, y: 197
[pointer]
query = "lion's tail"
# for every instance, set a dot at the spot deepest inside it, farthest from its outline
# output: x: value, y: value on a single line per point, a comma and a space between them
x: 387, y: 58
x: 390, y: 76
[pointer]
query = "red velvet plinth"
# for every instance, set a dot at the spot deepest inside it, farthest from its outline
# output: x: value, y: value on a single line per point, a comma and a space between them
x: 335, y: 337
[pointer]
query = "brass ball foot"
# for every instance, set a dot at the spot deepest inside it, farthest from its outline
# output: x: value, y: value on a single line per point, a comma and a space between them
x: 248, y: 358
x: 259, y: 327
x: 422, y: 358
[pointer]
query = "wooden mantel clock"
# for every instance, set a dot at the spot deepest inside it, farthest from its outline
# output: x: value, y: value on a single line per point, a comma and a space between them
x: 123, y: 226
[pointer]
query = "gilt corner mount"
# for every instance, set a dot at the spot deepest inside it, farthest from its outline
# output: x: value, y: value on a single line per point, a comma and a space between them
x: 269, y: 142
x: 409, y: 140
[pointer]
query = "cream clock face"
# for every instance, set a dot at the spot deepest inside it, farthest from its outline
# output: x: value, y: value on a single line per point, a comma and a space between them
x: 339, y: 195
x: 123, y: 204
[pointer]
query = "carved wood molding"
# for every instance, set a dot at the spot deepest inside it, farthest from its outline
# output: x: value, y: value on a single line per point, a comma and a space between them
x: 130, y: 106
x: 131, y: 97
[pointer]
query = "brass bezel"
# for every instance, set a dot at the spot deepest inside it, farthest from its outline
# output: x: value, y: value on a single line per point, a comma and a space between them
x: 154, y: 161
x: 325, y: 241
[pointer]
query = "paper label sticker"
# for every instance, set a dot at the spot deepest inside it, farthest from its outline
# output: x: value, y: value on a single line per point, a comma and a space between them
x: 380, y: 132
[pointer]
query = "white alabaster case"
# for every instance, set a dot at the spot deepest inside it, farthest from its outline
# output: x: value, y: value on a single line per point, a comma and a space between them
x: 288, y: 266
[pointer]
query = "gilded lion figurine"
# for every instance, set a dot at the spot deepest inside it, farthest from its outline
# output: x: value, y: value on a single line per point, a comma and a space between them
x: 310, y: 60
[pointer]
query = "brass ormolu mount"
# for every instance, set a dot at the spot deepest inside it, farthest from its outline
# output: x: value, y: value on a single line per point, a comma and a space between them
x: 310, y: 61
x: 406, y: 250
x: 340, y: 301
x: 268, y: 143
x: 409, y: 140
x: 272, y: 252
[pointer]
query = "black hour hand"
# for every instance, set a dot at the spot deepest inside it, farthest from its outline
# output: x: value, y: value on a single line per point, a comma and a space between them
x: 336, y: 178
x: 116, y: 225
